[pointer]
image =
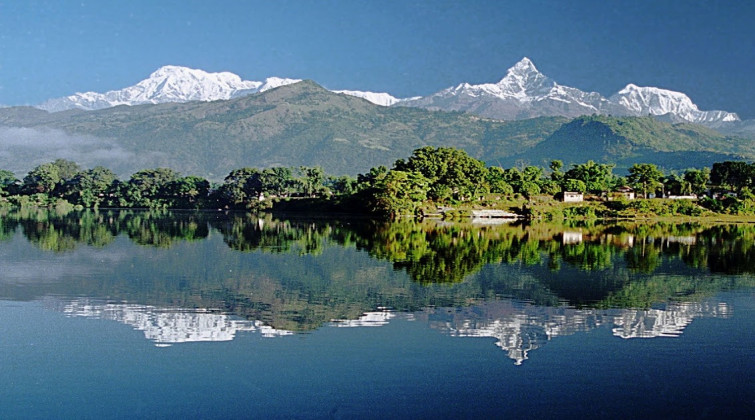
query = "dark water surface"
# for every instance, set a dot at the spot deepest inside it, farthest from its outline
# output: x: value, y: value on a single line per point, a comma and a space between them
x: 197, y: 315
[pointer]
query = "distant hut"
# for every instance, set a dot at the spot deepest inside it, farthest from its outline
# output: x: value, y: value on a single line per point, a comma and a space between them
x: 573, y: 197
x: 624, y: 192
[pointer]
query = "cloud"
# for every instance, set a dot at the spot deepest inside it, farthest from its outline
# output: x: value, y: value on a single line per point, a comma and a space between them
x: 22, y: 149
x: 27, y: 265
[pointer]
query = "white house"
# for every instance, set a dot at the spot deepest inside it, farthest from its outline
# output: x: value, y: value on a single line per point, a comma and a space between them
x: 573, y: 197
x: 622, y: 192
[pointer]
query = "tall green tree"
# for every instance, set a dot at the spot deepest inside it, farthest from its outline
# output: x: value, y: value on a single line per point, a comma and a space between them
x: 530, y: 189
x: 46, y: 177
x: 150, y: 188
x: 698, y: 180
x: 342, y: 185
x: 311, y: 180
x: 188, y: 192
x: 496, y: 181
x: 277, y: 181
x: 733, y: 175
x: 575, y: 185
x: 532, y: 174
x: 369, y: 180
x: 676, y: 184
x: 514, y: 177
x: 645, y: 177
x: 89, y: 188
x: 238, y: 187
x: 367, y: 188
x: 451, y: 172
x: 556, y: 171
x: 8, y: 182
x: 401, y: 193
x: 598, y: 177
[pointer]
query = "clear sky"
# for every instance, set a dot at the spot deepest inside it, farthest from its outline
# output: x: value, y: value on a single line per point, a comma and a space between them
x: 705, y: 49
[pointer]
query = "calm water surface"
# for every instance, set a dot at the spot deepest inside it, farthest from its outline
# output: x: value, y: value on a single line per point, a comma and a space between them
x: 130, y: 314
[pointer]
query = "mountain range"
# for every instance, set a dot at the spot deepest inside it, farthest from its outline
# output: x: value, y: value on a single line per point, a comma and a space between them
x: 303, y: 123
x: 168, y: 84
x: 523, y: 93
x: 526, y: 93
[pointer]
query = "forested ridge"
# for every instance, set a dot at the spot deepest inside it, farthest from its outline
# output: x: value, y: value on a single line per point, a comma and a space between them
x: 429, y: 179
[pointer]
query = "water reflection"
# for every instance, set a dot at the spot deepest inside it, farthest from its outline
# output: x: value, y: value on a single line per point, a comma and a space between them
x: 430, y: 251
x: 518, y: 327
x: 186, y: 277
x: 369, y: 319
x: 669, y: 322
x: 167, y: 326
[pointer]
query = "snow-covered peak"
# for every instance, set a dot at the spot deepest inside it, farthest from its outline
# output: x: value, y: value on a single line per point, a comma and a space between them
x: 180, y: 84
x: 653, y: 100
x: 525, y: 92
x: 274, y: 82
x: 523, y: 81
x: 525, y: 65
x: 524, y: 74
x: 169, y: 84
x: 183, y: 84
x: 377, y: 98
x: 639, y: 100
x: 185, y: 72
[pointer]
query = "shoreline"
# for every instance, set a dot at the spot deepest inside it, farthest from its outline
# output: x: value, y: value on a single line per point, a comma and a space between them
x: 461, y: 214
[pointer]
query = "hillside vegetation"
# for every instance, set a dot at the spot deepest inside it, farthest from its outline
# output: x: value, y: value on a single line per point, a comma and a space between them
x: 629, y: 140
x: 306, y: 125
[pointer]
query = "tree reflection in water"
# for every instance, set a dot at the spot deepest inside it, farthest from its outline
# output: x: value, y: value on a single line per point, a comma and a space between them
x: 298, y: 274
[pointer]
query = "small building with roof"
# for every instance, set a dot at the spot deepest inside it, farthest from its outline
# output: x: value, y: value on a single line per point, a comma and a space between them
x: 573, y: 197
x: 625, y: 192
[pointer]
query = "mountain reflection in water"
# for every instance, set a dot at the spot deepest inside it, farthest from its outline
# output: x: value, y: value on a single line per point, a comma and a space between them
x: 517, y: 326
x: 190, y: 277
x: 166, y: 326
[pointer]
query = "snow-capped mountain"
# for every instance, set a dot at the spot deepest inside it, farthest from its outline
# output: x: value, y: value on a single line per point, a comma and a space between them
x: 523, y: 93
x: 182, y: 84
x: 377, y: 98
x: 526, y: 93
x: 676, y: 105
x: 168, y: 84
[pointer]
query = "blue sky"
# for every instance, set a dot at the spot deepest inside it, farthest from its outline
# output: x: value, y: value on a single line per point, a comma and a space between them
x: 406, y: 47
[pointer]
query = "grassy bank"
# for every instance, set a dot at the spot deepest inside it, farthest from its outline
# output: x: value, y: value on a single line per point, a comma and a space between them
x: 546, y: 208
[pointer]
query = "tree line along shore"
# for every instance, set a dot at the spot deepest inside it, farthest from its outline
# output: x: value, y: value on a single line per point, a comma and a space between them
x: 432, y: 181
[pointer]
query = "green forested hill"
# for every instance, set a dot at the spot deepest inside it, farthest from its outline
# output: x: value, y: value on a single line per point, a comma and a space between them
x: 305, y: 124
x: 300, y: 124
x: 629, y: 140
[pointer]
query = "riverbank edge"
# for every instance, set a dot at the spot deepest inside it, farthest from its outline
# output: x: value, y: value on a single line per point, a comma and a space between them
x: 540, y: 209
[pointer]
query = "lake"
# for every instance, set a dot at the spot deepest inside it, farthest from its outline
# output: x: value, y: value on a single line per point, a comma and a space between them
x: 123, y: 314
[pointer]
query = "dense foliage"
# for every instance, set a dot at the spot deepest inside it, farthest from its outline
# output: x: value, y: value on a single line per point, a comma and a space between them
x: 431, y: 178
